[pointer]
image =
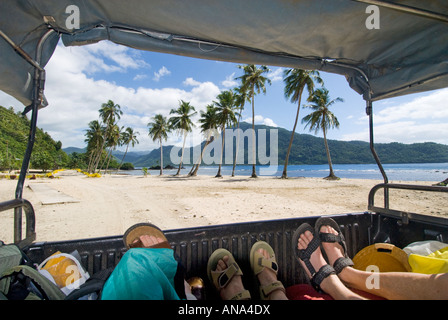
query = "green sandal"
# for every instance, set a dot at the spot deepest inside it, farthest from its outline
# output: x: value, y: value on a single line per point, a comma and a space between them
x: 221, y: 279
x: 258, y: 263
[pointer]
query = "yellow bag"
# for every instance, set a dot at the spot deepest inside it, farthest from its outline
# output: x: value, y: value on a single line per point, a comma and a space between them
x: 65, y: 270
x: 386, y: 257
x: 436, y: 262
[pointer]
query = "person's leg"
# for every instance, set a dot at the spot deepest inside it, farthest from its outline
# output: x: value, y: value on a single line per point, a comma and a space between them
x: 390, y: 285
x: 398, y: 285
x: 332, y: 285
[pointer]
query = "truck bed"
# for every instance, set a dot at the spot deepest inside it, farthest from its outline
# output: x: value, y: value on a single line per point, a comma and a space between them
x: 193, y: 246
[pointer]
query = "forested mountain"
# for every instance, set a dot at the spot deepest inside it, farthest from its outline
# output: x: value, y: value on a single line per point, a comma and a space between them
x: 308, y: 149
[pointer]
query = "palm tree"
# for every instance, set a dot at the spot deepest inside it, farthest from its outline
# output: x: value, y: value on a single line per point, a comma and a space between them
x: 128, y: 137
x: 158, y: 130
x: 182, y: 123
x: 94, y: 139
x: 253, y: 81
x: 114, y: 139
x: 110, y: 113
x: 295, y: 81
x: 226, y: 116
x: 322, y: 119
x: 240, y: 100
x: 209, y: 122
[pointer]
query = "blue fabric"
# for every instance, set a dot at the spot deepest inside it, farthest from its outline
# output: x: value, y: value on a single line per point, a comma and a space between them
x: 143, y: 274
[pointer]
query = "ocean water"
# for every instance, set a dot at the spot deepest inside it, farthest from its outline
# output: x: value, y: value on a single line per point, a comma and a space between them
x: 403, y: 171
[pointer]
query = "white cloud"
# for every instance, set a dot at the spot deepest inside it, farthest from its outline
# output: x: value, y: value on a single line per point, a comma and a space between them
x: 162, y: 72
x: 139, y: 77
x: 261, y: 120
x: 75, y: 96
x: 431, y: 106
x: 191, y: 82
x: 422, y: 119
x: 230, y: 81
x: 276, y: 74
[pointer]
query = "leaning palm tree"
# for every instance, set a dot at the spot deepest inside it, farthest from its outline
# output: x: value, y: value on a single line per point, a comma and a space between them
x: 158, y: 130
x: 240, y: 100
x: 128, y: 137
x: 94, y: 139
x: 226, y: 116
x: 182, y: 123
x: 209, y: 123
x: 295, y: 81
x: 253, y: 81
x: 322, y: 119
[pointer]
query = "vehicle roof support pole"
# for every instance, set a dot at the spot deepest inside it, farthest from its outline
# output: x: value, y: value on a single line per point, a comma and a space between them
x: 369, y: 111
x: 38, y: 96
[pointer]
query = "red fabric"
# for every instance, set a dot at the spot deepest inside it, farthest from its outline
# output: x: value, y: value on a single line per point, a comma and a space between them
x: 307, y: 292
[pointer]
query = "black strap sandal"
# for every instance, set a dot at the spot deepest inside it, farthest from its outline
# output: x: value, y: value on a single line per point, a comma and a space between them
x: 305, y: 255
x: 342, y: 262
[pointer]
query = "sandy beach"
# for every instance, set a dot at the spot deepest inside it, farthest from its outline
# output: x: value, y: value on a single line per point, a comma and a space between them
x: 94, y: 207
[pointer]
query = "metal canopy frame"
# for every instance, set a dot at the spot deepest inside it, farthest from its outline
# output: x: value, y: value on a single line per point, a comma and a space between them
x: 38, y: 97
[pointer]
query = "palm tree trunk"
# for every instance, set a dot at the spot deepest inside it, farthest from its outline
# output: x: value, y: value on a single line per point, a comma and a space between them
x: 194, y: 173
x: 237, y: 145
x: 182, y: 156
x: 161, y: 157
x: 223, y: 131
x: 331, y: 176
x: 285, y: 168
x: 254, y: 175
x: 122, y: 159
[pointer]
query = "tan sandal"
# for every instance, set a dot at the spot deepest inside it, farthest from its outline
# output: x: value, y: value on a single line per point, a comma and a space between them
x: 221, y: 279
x: 258, y: 263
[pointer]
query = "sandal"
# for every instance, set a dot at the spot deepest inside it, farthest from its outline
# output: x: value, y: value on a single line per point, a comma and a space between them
x: 258, y: 263
x: 221, y: 279
x: 305, y: 255
x: 131, y: 237
x: 341, y: 262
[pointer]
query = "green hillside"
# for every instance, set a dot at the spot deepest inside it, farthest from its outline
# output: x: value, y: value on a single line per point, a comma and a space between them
x: 14, y: 131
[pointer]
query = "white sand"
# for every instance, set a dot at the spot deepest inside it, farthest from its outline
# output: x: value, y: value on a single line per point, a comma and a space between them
x: 109, y: 205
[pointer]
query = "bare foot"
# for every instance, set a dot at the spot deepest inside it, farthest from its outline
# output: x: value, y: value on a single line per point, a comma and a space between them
x: 149, y: 241
x: 333, y: 249
x: 234, y: 286
x: 317, y: 259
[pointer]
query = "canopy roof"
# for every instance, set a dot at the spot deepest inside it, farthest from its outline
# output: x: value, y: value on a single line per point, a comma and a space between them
x: 407, y: 54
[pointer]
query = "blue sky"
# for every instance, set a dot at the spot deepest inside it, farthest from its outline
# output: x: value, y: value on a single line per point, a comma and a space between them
x: 80, y: 79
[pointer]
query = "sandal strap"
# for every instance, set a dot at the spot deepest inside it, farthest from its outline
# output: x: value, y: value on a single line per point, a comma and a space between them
x: 266, y: 290
x: 305, y: 254
x: 222, y: 278
x: 320, y: 275
x: 263, y: 262
x: 341, y: 263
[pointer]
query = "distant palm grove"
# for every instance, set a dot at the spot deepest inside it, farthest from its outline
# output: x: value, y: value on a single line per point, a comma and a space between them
x: 105, y: 135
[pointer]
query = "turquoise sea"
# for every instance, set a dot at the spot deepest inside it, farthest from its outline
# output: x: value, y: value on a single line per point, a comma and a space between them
x: 403, y: 171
